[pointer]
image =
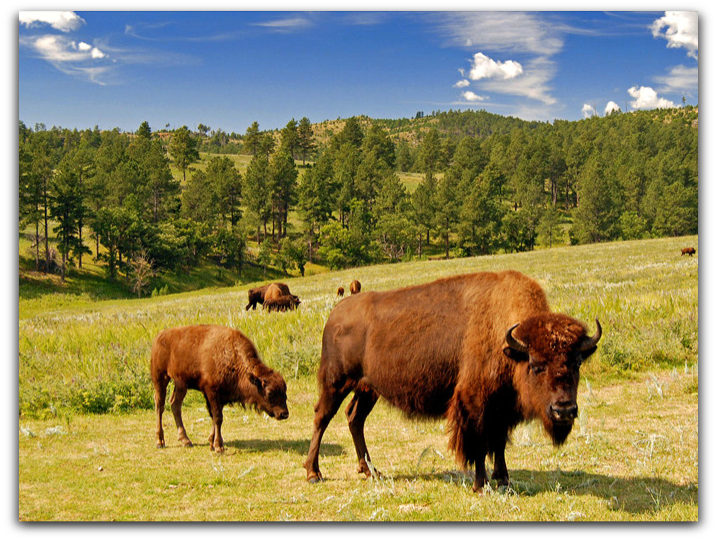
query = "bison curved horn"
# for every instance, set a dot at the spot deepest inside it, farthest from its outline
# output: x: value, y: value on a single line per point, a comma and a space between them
x: 591, y: 342
x: 513, y: 342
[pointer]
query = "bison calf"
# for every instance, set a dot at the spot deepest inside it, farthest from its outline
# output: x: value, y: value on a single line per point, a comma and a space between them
x: 340, y: 292
x: 355, y: 286
x: 221, y: 363
x: 283, y: 303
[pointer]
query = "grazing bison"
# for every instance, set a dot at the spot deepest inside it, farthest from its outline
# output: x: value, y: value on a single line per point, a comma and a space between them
x: 340, y: 292
x: 688, y: 251
x: 282, y: 303
x: 276, y: 292
x: 222, y: 364
x: 256, y: 295
x: 355, y: 286
x: 482, y: 350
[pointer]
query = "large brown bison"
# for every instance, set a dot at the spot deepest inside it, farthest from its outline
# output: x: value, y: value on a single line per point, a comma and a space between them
x: 482, y: 350
x: 355, y: 286
x: 688, y: 251
x: 221, y: 363
x: 256, y: 295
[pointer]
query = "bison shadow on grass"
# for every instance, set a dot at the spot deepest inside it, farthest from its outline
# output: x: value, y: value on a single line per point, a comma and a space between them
x: 633, y: 495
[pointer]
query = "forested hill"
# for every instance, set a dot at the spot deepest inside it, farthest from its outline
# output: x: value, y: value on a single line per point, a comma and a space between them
x: 453, y: 124
x: 349, y: 192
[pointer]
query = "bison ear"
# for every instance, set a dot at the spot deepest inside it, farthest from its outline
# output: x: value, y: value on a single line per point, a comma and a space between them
x: 256, y: 381
x: 516, y: 355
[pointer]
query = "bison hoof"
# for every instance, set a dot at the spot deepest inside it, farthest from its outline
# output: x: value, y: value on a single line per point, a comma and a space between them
x: 160, y: 445
x: 186, y: 443
x: 315, y: 478
x: 502, y: 482
x: 363, y: 467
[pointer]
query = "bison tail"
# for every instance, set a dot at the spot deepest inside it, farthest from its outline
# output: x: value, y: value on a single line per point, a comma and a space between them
x: 464, y: 436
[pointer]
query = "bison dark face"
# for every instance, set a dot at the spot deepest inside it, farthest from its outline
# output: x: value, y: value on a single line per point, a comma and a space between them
x: 270, y: 394
x: 551, y: 347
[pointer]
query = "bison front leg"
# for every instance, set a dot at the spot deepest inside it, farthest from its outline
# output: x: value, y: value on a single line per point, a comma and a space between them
x: 481, y: 478
x: 176, y: 400
x: 500, y: 469
x: 356, y: 412
x: 467, y: 440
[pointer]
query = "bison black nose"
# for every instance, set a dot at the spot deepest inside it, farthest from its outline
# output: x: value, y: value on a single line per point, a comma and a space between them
x: 564, y: 412
x: 283, y: 415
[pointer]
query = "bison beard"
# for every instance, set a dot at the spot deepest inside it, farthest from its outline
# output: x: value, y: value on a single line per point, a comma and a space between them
x: 482, y: 350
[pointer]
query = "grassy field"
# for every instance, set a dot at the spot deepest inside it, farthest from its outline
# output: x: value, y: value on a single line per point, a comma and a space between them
x: 633, y: 454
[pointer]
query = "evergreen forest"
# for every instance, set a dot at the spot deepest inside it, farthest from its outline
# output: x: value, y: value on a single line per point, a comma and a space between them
x: 347, y: 193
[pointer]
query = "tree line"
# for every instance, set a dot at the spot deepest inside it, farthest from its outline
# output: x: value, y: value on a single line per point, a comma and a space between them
x: 487, y: 184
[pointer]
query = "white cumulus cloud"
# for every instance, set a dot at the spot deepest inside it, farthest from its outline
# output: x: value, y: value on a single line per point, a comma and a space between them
x: 646, y: 98
x: 611, y: 107
x: 483, y: 67
x: 680, y: 29
x: 65, y: 21
x: 462, y: 83
x: 588, y: 111
x: 472, y: 96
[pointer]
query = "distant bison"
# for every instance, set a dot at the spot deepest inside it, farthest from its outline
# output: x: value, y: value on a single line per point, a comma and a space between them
x: 282, y: 303
x: 482, y: 350
x: 340, y: 291
x: 256, y: 295
x: 355, y: 286
x: 279, y: 290
x: 688, y: 251
x: 276, y: 299
x: 221, y: 363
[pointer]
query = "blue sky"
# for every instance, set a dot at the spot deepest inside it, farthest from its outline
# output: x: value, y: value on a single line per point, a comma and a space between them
x: 228, y: 69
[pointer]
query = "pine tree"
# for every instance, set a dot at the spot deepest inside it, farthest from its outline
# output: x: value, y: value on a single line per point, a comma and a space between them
x: 183, y: 148
x: 307, y: 143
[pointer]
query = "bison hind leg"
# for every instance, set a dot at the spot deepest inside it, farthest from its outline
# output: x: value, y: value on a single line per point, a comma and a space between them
x: 326, y: 408
x: 176, y: 400
x: 160, y: 396
x: 357, y: 410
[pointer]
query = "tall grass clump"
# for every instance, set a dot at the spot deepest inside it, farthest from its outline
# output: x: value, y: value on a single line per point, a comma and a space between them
x: 95, y: 357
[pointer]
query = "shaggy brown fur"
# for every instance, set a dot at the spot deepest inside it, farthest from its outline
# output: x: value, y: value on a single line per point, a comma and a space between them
x: 221, y: 363
x: 256, y: 295
x: 340, y: 291
x: 355, y: 286
x: 688, y: 251
x: 439, y: 350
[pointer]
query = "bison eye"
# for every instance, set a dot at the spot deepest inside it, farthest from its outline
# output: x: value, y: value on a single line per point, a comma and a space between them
x: 537, y: 368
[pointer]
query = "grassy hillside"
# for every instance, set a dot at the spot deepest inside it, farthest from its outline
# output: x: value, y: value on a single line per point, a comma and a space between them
x: 644, y: 293
x: 633, y: 455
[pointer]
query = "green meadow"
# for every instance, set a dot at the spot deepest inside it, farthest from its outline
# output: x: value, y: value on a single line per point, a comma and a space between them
x: 86, y: 423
